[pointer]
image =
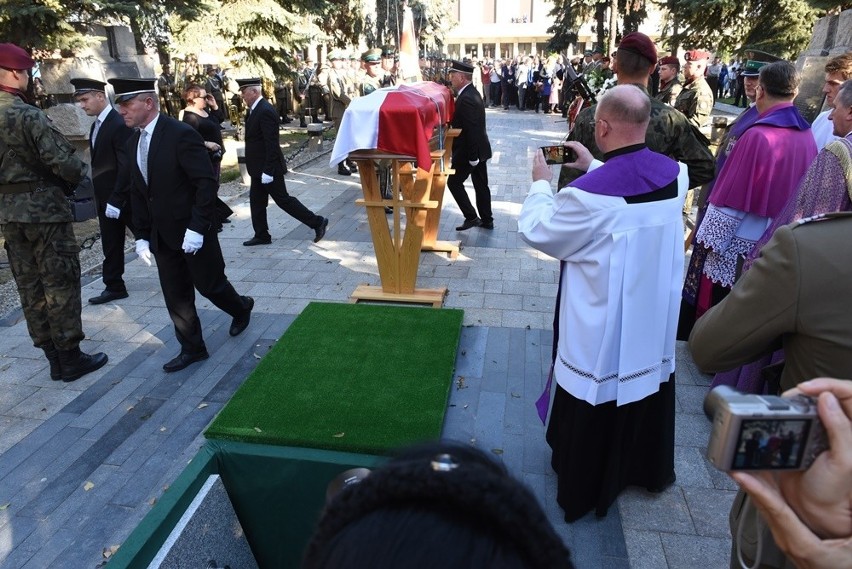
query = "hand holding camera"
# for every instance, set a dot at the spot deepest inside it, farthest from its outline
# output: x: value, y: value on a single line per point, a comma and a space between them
x: 810, y: 511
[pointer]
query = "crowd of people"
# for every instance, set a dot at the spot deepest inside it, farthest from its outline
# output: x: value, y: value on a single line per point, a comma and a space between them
x: 764, y: 284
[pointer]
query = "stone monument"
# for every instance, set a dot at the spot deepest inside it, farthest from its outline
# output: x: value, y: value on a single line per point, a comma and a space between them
x: 832, y: 36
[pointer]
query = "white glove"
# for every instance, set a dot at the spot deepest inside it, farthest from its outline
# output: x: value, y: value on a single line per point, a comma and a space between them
x: 265, y: 179
x: 112, y: 212
x: 192, y: 241
x: 474, y: 163
x: 143, y: 250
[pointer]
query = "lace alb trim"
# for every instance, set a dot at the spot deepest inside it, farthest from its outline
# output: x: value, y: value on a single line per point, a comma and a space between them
x: 718, y: 233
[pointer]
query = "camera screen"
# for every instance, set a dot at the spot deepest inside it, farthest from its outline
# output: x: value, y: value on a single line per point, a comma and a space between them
x: 770, y: 444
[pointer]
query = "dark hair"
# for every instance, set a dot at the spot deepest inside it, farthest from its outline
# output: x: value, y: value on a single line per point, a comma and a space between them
x: 632, y: 64
x: 442, y: 505
x: 779, y: 79
x: 192, y: 92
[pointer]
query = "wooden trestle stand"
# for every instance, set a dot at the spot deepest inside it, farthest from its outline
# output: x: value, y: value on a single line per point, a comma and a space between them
x: 420, y: 194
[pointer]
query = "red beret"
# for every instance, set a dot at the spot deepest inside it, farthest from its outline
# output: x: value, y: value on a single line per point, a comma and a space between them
x: 696, y: 55
x: 15, y: 58
x: 639, y: 43
x: 670, y: 60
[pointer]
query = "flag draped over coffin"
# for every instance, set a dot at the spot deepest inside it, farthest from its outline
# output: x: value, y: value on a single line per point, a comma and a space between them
x: 397, y: 120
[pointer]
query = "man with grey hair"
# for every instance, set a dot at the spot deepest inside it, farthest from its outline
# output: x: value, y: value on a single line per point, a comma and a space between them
x: 618, y: 232
x: 265, y: 165
x: 172, y: 188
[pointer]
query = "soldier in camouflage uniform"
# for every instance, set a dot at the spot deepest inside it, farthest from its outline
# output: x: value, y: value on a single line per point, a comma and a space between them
x: 354, y: 74
x: 668, y: 133
x: 670, y: 86
x: 696, y: 99
x: 36, y: 165
x: 336, y: 85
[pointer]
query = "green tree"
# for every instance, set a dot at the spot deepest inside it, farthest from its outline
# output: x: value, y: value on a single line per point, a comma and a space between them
x: 782, y: 27
x: 430, y: 22
x: 613, y: 19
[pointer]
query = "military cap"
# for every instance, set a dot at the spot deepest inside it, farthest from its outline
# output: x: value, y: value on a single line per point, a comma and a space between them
x: 251, y: 82
x: 353, y: 56
x: 14, y: 58
x: 126, y: 88
x: 670, y: 60
x: 336, y: 55
x: 83, y: 85
x: 460, y: 67
x: 388, y: 51
x: 696, y: 55
x: 757, y: 55
x: 372, y: 55
x: 588, y: 53
x: 639, y: 43
x: 597, y: 50
x: 752, y: 68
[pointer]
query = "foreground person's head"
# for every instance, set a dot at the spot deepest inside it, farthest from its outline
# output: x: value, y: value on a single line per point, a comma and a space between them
x: 442, y: 505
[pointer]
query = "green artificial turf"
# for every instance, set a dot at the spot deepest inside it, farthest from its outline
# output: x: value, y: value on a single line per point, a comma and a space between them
x: 349, y: 377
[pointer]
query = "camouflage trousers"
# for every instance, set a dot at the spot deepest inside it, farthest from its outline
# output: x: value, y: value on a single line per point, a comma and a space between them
x: 44, y: 258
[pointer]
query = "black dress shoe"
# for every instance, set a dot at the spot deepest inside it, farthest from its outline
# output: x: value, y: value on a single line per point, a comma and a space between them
x: 257, y: 241
x: 342, y: 170
x: 487, y: 225
x: 320, y: 230
x: 183, y: 360
x: 108, y: 296
x: 468, y: 223
x: 352, y: 166
x: 240, y: 323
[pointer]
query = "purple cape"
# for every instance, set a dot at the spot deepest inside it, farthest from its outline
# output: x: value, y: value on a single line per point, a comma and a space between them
x: 630, y: 171
x: 766, y: 163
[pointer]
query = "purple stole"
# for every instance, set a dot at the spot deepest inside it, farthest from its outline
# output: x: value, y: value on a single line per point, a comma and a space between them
x: 629, y: 171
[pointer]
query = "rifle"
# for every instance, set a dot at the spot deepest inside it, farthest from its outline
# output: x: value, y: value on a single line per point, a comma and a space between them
x: 579, y: 84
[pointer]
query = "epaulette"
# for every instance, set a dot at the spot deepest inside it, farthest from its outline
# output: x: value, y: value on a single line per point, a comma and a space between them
x: 824, y: 217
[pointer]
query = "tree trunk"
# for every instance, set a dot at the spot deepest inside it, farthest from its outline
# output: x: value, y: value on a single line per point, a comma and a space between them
x: 600, y: 21
x: 613, y: 26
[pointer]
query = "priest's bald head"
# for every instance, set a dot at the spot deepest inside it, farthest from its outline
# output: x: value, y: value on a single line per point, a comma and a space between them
x: 621, y: 118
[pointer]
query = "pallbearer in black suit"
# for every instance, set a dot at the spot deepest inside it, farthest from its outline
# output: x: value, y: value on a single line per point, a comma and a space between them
x: 470, y: 150
x: 265, y: 165
x: 109, y: 171
x: 173, y: 194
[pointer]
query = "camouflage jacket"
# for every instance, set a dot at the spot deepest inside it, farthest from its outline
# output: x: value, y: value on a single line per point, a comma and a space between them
x: 370, y: 84
x: 668, y: 133
x: 670, y: 92
x: 32, y: 142
x: 696, y: 102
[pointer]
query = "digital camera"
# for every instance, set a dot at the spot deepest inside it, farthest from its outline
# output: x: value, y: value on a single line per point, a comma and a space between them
x: 763, y: 432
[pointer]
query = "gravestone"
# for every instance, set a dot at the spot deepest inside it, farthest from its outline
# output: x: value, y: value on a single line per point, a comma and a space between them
x: 832, y: 36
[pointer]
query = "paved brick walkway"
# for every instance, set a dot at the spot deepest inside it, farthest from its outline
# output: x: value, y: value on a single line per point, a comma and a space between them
x: 129, y: 429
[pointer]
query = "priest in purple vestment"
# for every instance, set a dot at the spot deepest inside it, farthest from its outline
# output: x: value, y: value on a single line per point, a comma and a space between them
x: 760, y: 174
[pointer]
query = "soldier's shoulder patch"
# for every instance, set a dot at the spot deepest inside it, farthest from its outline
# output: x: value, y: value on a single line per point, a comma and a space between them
x: 823, y: 217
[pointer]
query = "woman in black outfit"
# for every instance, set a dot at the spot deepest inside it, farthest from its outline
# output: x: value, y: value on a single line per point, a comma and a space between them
x: 203, y: 114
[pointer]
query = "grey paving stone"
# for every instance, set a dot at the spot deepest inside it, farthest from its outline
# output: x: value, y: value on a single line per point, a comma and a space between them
x: 42, y: 404
x: 488, y: 429
x: 690, y: 468
x: 663, y: 512
x: 12, y: 395
x: 645, y: 549
x: 14, y: 429
x: 692, y: 430
x: 689, y: 551
x: 709, y: 509
x: 472, y: 346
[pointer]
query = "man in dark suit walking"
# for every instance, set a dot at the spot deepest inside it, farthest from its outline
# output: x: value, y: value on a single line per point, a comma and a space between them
x: 107, y: 138
x: 173, y: 194
x: 266, y: 166
x: 471, y: 150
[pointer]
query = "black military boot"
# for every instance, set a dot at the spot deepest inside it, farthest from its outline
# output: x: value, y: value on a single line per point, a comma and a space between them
x: 75, y: 364
x: 342, y: 170
x: 352, y: 166
x: 53, y: 358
